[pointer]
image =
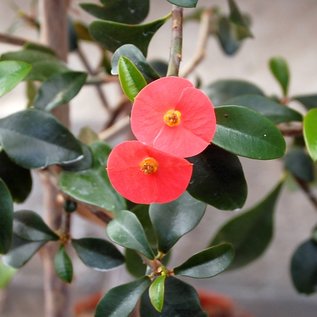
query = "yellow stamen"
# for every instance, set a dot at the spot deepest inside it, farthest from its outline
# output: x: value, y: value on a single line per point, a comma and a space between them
x: 172, y: 118
x: 149, y: 165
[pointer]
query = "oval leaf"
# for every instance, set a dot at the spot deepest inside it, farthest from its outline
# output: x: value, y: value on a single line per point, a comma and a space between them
x: 218, y: 179
x: 280, y: 71
x: 127, y: 231
x: 207, y: 263
x: 309, y: 101
x: 98, y: 254
x: 63, y: 265
x: 134, y: 263
x: 121, y: 300
x: 310, y: 133
x: 156, y: 292
x: 173, y: 220
x: 245, y: 132
x: 184, y: 3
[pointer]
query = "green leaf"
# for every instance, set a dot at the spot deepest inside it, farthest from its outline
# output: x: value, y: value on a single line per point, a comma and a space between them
x: 21, y: 251
x: 184, y: 3
x: 127, y: 231
x: 59, y: 89
x: 134, y: 263
x: 11, y: 73
x: 223, y: 90
x: 33, y: 138
x: 218, y: 179
x: 63, y: 265
x: 131, y: 79
x: 173, y: 220
x: 310, y: 133
x: 207, y: 263
x: 28, y: 225
x: 304, y: 268
x: 112, y: 35
x: 132, y: 11
x: 6, y: 218
x: 6, y: 275
x: 309, y: 101
x: 280, y: 70
x: 181, y: 300
x: 274, y: 111
x: 156, y: 292
x: 121, y: 300
x: 247, y: 133
x: 92, y: 185
x: 251, y: 232
x: 98, y: 254
x: 300, y: 164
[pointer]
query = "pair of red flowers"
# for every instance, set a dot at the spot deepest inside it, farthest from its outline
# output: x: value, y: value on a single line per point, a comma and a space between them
x: 171, y: 120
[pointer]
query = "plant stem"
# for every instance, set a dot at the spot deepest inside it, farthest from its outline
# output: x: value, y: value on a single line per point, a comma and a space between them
x: 307, y: 190
x: 176, y: 41
x: 13, y: 40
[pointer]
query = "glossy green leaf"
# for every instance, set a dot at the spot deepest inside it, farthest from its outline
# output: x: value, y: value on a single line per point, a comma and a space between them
x: 181, y: 300
x: 207, y: 263
x: 131, y: 79
x: 59, y: 89
x: 218, y: 179
x: 156, y: 292
x: 92, y: 185
x: 6, y: 218
x: 134, y: 263
x: 121, y: 300
x: 184, y: 3
x: 63, y: 265
x: 304, y: 268
x: 132, y: 11
x: 310, y: 133
x: 21, y: 251
x: 33, y: 138
x: 222, y: 90
x: 280, y: 70
x: 6, y: 274
x: 173, y: 220
x: 247, y: 133
x: 300, y: 164
x: 267, y: 107
x: 28, y: 225
x: 112, y: 35
x: 11, y: 73
x: 29, y: 55
x: 127, y: 231
x: 309, y: 101
x: 98, y: 254
x: 251, y: 232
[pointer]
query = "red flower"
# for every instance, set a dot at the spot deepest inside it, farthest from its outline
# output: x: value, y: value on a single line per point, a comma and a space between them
x: 173, y: 116
x: 146, y: 175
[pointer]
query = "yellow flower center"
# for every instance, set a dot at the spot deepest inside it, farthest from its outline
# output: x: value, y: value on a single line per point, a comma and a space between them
x: 149, y: 165
x: 172, y: 118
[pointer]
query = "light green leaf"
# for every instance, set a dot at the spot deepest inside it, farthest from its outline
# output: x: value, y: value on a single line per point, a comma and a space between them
x: 310, y: 133
x: 280, y: 70
x: 156, y: 292
x: 63, y: 265
x: 6, y: 274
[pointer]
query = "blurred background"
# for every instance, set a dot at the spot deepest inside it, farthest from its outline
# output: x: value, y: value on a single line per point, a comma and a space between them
x: 281, y: 28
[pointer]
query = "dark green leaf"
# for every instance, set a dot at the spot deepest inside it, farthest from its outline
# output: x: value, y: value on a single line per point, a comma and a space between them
x: 272, y: 110
x: 59, y: 89
x: 92, y: 185
x: 156, y: 292
x: 98, y: 254
x: 173, y: 220
x: 11, y: 73
x: 33, y: 138
x: 72, y: 36
x: 6, y: 274
x: 6, y: 218
x: 218, y: 179
x: 223, y: 90
x: 63, y: 265
x: 247, y: 133
x: 38, y: 47
x: 310, y: 133
x: 304, y: 268
x: 28, y: 225
x: 280, y: 71
x: 131, y: 79
x: 184, y: 3
x: 207, y: 263
x: 121, y: 300
x: 309, y: 101
x: 112, y: 35
x: 181, y: 300
x: 127, y: 231
x: 132, y: 11
x: 251, y: 232
x: 160, y: 66
x: 30, y: 56
x: 134, y: 263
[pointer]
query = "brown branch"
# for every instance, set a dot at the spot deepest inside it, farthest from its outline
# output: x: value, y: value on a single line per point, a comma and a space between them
x: 291, y: 130
x: 115, y: 128
x: 307, y: 190
x: 124, y: 106
x: 13, y: 40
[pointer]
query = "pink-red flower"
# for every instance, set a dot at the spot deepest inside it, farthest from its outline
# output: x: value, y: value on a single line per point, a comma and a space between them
x: 173, y: 116
x: 146, y: 175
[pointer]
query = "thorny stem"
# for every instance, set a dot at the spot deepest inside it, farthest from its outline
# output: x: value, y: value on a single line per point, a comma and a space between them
x: 176, y: 41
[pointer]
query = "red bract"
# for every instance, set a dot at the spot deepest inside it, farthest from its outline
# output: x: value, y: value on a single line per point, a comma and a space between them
x: 146, y: 175
x: 173, y: 116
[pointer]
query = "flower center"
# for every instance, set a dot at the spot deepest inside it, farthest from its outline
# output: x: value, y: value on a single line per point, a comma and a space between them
x: 172, y: 118
x: 149, y: 165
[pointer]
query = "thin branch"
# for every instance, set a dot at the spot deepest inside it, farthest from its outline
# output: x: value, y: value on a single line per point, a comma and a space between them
x: 13, y: 40
x: 307, y: 190
x: 123, y: 106
x: 176, y: 41
x: 115, y: 128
